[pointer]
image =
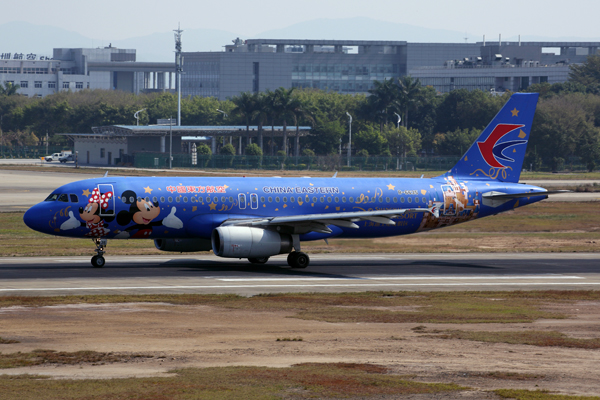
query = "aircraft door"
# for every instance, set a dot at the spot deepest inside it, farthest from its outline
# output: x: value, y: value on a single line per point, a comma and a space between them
x: 254, y: 201
x: 449, y: 200
x: 242, y: 201
x: 105, y: 197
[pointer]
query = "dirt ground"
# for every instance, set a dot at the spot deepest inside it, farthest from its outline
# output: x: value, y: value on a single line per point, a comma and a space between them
x: 203, y: 336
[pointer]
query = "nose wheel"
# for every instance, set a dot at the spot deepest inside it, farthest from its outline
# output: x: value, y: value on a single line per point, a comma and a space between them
x: 98, y: 260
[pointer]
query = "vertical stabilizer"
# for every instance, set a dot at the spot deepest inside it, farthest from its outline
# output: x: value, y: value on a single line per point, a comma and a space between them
x: 499, y: 151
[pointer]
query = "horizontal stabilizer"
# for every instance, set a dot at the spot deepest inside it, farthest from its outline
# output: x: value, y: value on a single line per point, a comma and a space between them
x: 508, y: 196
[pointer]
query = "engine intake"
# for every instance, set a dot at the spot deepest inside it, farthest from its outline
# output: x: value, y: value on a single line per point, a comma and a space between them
x: 245, y: 242
x: 183, y: 245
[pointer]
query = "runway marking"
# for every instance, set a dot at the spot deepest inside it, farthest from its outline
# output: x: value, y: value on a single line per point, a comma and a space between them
x: 303, y: 286
x: 384, y: 278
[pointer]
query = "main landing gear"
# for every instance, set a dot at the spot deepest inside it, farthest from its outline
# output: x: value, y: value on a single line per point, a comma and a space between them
x: 98, y: 260
x: 298, y: 259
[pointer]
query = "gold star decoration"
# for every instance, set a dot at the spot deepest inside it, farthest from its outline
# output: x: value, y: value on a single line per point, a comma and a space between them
x: 391, y: 187
x: 213, y: 206
x: 147, y: 190
x: 86, y: 193
x: 515, y: 112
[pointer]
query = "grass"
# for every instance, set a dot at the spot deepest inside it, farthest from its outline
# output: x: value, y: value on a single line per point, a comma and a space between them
x: 287, y: 339
x: 533, y: 338
x: 381, y: 307
x: 504, y: 375
x: 540, y: 227
x: 39, y: 357
x: 520, y: 394
x: 8, y: 341
x: 303, y: 381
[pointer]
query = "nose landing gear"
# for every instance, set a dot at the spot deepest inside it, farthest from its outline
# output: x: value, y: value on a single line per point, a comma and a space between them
x: 98, y: 260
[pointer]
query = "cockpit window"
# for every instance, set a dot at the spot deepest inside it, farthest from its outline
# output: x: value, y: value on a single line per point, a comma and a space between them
x: 52, y: 197
x: 74, y: 198
x: 63, y: 197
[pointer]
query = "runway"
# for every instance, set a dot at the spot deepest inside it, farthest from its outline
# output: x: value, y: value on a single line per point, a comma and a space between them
x: 326, y: 273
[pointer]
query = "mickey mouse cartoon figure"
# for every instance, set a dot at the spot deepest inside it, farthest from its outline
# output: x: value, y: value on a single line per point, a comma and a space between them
x: 90, y: 214
x: 143, y: 212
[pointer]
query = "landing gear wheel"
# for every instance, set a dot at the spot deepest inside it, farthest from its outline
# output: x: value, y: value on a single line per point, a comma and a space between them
x: 259, y: 260
x: 98, y: 261
x: 298, y: 259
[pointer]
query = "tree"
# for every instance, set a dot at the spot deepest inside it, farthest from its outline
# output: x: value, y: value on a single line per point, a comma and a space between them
x: 402, y: 141
x: 204, y: 150
x: 455, y: 143
x: 253, y: 150
x: 369, y: 138
x: 262, y: 112
x: 245, y: 105
x: 284, y: 106
x: 587, y: 73
x: 382, y: 101
x: 227, y: 150
x: 408, y: 96
x: 9, y: 89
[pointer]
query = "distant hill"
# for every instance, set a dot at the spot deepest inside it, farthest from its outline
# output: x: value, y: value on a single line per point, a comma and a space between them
x: 24, y: 37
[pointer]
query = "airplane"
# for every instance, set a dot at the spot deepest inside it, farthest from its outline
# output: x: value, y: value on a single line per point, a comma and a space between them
x: 257, y: 218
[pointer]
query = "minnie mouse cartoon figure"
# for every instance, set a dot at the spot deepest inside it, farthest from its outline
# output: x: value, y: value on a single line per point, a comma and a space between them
x: 143, y: 212
x: 90, y: 214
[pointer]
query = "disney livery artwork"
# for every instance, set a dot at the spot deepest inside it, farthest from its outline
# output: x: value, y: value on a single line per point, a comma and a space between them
x: 257, y: 218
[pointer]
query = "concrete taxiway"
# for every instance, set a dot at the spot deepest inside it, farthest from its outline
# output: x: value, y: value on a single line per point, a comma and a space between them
x: 326, y: 273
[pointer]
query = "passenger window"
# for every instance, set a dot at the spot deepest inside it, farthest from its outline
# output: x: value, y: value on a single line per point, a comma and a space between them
x: 74, y: 198
x: 162, y: 199
x: 185, y: 199
x: 63, y: 197
x: 277, y: 199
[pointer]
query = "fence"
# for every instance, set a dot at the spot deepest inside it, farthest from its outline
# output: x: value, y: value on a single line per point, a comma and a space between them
x: 30, y: 151
x: 320, y: 163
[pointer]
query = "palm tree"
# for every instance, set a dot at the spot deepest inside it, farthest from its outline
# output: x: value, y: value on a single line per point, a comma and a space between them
x: 262, y: 112
x: 408, y: 94
x: 383, y: 99
x: 298, y: 111
x: 245, y: 104
x: 284, y: 104
x: 9, y: 89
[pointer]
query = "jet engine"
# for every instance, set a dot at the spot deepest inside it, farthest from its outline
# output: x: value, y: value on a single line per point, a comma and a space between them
x: 183, y: 245
x: 245, y: 242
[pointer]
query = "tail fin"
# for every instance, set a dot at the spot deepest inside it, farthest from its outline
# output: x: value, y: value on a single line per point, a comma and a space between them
x: 499, y: 151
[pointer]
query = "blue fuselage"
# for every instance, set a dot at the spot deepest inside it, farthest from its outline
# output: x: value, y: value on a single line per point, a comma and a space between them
x: 126, y: 207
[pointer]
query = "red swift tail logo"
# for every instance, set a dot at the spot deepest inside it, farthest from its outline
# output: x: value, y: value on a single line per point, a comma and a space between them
x: 492, y: 151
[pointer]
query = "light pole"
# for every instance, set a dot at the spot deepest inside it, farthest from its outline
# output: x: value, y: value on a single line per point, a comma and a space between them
x: 170, y: 143
x: 399, y: 119
x: 179, y: 70
x: 225, y: 115
x: 137, y: 116
x: 349, y: 137
x: 397, y: 159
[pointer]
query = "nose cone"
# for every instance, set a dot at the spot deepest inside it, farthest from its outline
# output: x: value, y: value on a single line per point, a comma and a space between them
x: 32, y: 218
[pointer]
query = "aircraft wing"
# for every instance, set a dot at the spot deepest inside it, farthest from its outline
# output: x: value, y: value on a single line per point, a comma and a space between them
x: 319, y: 222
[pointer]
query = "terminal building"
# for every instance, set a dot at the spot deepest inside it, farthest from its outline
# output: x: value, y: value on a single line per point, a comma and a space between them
x: 351, y: 66
x: 107, y: 68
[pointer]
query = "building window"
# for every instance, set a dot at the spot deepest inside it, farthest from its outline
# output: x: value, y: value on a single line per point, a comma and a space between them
x: 78, y: 85
x: 66, y: 85
x: 51, y: 85
x: 24, y: 84
x: 101, y: 153
x: 88, y: 85
x: 37, y: 84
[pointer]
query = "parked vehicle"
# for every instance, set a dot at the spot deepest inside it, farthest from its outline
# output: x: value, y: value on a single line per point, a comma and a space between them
x: 66, y: 157
x: 53, y: 157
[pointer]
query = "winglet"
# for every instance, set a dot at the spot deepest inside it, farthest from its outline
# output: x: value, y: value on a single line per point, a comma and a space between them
x: 334, y: 175
x: 106, y: 174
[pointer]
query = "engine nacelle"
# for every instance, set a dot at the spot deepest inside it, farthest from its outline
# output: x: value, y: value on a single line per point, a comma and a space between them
x: 245, y: 242
x: 183, y: 245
